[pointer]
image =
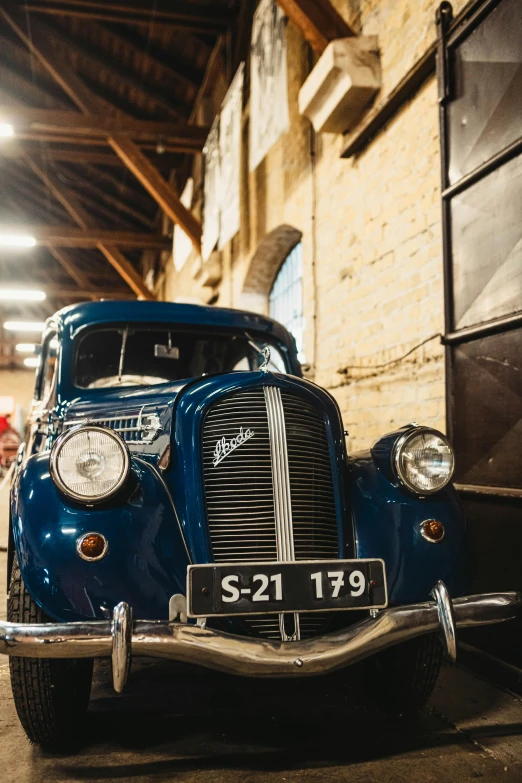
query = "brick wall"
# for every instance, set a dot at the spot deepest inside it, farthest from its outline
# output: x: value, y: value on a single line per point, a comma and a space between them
x: 371, y: 237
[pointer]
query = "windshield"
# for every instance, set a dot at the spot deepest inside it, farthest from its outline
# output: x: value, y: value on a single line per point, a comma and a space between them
x: 141, y: 356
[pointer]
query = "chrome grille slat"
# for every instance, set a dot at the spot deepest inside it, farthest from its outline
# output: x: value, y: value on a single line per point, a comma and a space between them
x: 240, y: 489
x: 127, y: 426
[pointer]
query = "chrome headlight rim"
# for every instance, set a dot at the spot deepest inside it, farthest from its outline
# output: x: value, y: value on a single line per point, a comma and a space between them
x: 400, y: 445
x: 55, y: 474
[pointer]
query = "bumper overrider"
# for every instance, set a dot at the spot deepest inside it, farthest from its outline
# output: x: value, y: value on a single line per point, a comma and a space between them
x: 251, y: 657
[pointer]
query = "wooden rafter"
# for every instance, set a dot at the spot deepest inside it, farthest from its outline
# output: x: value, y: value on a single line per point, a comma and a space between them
x: 114, y: 205
x: 72, y: 124
x: 170, y: 62
x: 69, y: 236
x: 21, y: 87
x: 182, y: 15
x: 40, y: 44
x: 158, y: 188
x: 68, y: 263
x: 318, y: 21
x: 118, y: 130
x: 121, y: 73
x: 82, y: 156
x: 72, y: 204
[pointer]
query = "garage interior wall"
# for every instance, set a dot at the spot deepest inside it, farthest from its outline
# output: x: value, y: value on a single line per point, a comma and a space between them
x: 371, y: 237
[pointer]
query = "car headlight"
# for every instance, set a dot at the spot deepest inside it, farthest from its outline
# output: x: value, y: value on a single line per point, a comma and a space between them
x: 424, y: 461
x: 89, y: 463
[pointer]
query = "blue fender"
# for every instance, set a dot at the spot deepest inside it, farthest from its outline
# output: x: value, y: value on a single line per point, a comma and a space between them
x: 387, y: 520
x: 146, y: 562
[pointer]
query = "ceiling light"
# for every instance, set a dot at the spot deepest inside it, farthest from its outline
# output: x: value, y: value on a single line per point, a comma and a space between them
x: 6, y: 130
x: 24, y: 326
x: 26, y: 347
x: 21, y: 295
x: 32, y: 361
x: 17, y: 240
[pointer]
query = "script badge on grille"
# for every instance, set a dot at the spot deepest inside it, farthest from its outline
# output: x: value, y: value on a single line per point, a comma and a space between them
x: 225, y: 447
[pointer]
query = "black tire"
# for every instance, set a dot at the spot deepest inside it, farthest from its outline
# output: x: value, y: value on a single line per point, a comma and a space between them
x: 51, y: 695
x: 402, y: 678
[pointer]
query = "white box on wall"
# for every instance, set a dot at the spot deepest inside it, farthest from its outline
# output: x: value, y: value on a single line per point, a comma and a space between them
x: 344, y: 80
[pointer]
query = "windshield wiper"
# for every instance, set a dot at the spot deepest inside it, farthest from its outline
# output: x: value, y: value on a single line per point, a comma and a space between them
x: 122, y: 352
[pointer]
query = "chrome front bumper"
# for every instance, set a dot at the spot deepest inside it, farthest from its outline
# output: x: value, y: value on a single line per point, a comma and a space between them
x: 254, y: 657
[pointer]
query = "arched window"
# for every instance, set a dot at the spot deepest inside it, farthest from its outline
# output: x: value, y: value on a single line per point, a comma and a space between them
x: 286, y: 296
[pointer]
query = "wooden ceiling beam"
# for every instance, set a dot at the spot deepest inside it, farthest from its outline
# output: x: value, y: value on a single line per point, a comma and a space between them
x: 32, y: 202
x: 25, y: 89
x: 131, y: 155
x: 214, y: 67
x: 149, y: 147
x: 318, y: 21
x: 70, y: 236
x: 40, y: 44
x: 120, y: 182
x: 156, y: 185
x: 172, y: 63
x: 101, y: 196
x: 122, y: 74
x: 182, y: 138
x: 181, y: 15
x: 125, y: 269
x: 69, y: 264
x: 83, y: 157
x: 76, y: 210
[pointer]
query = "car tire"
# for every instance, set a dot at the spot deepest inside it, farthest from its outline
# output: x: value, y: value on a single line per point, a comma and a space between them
x: 51, y: 695
x: 402, y: 678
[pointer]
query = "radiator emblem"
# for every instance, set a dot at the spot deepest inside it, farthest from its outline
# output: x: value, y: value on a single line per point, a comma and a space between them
x: 265, y: 353
x: 225, y: 447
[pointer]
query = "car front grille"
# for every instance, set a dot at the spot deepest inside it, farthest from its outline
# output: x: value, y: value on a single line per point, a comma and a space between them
x: 250, y: 498
x: 126, y: 426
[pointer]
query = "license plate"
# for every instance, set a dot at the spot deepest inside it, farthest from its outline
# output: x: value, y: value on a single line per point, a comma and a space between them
x: 270, y: 588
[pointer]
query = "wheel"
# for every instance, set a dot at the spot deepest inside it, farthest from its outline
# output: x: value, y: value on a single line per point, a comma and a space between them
x: 402, y: 678
x: 51, y: 695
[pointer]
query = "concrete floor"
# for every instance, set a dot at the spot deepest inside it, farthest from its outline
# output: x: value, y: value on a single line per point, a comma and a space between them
x: 179, y: 725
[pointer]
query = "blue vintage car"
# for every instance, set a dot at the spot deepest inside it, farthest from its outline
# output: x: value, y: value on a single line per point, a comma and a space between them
x: 183, y: 492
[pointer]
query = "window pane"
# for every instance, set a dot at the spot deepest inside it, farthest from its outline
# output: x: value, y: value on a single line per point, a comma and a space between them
x: 486, y: 223
x: 488, y: 410
x: 484, y: 117
x: 286, y: 297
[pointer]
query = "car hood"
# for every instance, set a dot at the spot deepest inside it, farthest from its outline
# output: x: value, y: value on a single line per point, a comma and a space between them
x: 142, y: 416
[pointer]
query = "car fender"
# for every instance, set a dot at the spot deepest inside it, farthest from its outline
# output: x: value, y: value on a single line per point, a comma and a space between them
x: 146, y: 561
x: 387, y: 524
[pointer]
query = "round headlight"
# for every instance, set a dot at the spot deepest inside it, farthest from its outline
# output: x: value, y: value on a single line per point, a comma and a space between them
x: 424, y: 461
x: 89, y: 464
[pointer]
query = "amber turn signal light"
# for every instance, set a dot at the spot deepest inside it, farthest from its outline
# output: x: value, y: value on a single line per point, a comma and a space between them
x: 92, y: 546
x: 433, y: 530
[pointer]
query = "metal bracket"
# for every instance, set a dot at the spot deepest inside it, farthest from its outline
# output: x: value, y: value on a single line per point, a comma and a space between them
x: 178, y: 608
x: 121, y: 645
x: 446, y: 619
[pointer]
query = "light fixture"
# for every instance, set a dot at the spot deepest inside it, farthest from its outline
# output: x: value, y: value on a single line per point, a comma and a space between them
x: 6, y: 130
x: 21, y: 295
x: 32, y: 361
x: 17, y: 240
x: 24, y: 326
x: 26, y: 347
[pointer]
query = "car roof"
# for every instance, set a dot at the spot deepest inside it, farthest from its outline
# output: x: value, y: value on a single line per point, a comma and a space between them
x: 71, y: 319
